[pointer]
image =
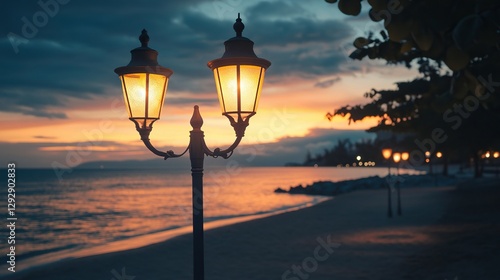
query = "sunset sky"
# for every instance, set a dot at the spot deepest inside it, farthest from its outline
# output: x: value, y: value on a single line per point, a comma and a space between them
x: 60, y: 100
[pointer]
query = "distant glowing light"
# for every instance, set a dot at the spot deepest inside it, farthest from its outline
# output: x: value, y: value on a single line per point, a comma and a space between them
x: 427, y: 160
x: 358, y: 158
x: 405, y: 156
x: 487, y: 155
x: 496, y: 154
x: 439, y: 155
x: 386, y: 153
x: 427, y: 154
x: 396, y: 157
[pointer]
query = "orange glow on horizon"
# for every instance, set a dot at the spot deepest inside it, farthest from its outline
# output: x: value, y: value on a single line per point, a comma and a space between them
x: 86, y: 148
x: 289, y: 107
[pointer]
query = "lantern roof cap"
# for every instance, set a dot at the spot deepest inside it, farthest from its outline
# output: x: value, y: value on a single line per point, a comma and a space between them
x: 144, y: 60
x: 239, y: 50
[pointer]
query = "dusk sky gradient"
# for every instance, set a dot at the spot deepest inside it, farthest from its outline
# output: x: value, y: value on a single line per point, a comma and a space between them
x: 60, y: 100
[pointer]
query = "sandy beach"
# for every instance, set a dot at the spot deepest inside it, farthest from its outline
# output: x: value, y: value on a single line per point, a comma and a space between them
x: 444, y: 233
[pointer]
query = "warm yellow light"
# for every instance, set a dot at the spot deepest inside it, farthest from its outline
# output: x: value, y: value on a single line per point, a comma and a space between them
x: 427, y: 154
x: 405, y: 156
x: 496, y: 154
x: 358, y: 158
x: 386, y: 153
x: 144, y: 94
x: 239, y: 88
x: 439, y: 155
x: 396, y: 157
x: 427, y: 160
x: 487, y: 155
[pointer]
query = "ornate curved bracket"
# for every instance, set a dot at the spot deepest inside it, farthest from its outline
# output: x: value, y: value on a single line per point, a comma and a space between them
x: 196, y: 122
x: 217, y: 152
x: 239, y: 128
x: 144, y: 132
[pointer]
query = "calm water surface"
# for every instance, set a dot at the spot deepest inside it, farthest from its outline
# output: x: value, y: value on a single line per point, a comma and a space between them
x: 94, y: 207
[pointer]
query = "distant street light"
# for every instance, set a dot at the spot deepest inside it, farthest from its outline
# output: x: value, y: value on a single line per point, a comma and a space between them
x: 397, y: 158
x: 238, y: 75
x: 495, y: 156
x: 386, y: 153
x: 404, y: 156
x: 428, y: 160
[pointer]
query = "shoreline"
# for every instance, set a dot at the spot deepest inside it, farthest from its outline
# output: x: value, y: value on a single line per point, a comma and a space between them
x: 146, y: 242
x: 137, y: 242
x: 156, y: 237
x: 267, y: 247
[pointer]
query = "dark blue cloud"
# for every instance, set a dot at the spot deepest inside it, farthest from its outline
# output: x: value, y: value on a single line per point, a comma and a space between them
x: 73, y: 53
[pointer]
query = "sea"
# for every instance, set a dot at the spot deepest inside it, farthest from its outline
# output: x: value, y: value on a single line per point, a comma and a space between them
x: 96, y: 211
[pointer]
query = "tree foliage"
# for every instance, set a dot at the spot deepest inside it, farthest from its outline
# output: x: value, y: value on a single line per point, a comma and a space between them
x: 460, y: 35
x: 345, y: 152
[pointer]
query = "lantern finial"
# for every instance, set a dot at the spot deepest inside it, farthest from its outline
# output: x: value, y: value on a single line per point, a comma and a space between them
x: 196, y: 120
x: 144, y: 38
x: 238, y: 26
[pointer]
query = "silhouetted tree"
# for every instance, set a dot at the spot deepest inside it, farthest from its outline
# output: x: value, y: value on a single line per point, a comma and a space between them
x: 461, y: 106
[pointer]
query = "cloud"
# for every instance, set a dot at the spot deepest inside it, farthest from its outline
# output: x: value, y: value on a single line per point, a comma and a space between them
x: 290, y: 149
x: 44, y: 137
x: 294, y: 149
x: 277, y: 10
x: 327, y: 83
x: 72, y: 56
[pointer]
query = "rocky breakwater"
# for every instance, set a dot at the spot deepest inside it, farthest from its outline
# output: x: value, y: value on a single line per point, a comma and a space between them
x: 330, y: 188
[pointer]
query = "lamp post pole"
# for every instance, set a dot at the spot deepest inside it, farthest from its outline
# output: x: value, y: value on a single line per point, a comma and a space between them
x: 387, y: 153
x: 197, y: 151
x: 389, y: 195
x: 399, y: 199
x: 397, y: 158
x: 197, y: 155
x: 398, y: 189
x: 404, y: 156
x: 239, y: 76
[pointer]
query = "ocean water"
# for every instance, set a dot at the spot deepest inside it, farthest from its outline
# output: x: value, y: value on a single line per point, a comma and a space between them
x: 90, y: 208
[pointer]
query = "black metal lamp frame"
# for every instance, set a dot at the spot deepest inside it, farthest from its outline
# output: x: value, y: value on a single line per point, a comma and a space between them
x: 239, y: 51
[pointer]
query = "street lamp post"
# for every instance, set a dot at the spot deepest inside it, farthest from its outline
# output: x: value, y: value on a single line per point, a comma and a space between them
x: 496, y: 155
x: 428, y: 159
x: 397, y: 158
x: 386, y: 153
x: 404, y: 157
x: 238, y: 75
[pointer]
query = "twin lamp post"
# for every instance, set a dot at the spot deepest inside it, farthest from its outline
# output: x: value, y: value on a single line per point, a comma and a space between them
x: 238, y: 75
x: 396, y: 157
